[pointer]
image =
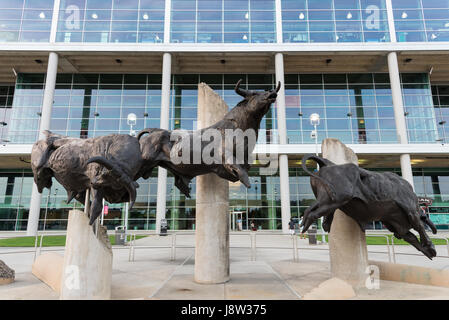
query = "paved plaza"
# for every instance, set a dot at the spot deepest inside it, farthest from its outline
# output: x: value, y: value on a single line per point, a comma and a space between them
x: 272, y: 275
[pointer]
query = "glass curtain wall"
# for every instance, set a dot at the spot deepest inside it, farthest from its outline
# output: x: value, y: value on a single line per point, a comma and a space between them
x: 441, y: 103
x: 421, y: 20
x: 25, y: 20
x: 218, y: 21
x: 261, y: 203
x: 6, y: 98
x: 111, y: 21
x: 334, y: 21
x: 86, y: 105
x: 357, y: 108
x: 184, y: 99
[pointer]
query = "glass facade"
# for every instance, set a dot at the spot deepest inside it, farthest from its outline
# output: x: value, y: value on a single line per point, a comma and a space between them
x: 237, y: 21
x: 441, y: 103
x: 89, y: 105
x: 421, y: 20
x: 334, y: 21
x: 25, y: 20
x: 86, y: 105
x: 183, y: 108
x: 6, y: 98
x: 111, y: 21
x: 358, y: 108
x: 224, y: 21
x: 261, y: 203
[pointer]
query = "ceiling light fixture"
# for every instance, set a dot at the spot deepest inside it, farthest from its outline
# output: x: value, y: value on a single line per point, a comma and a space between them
x: 42, y: 15
x: 404, y: 15
x: 94, y: 16
x: 349, y: 15
x: 301, y: 16
x: 146, y: 16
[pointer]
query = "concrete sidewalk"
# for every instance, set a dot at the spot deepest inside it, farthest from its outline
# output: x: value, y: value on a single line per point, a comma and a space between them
x: 274, y: 275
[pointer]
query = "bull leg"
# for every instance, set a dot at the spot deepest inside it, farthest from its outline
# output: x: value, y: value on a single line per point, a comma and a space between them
x: 96, y: 206
x: 322, y: 210
x: 240, y: 172
x: 428, y: 251
x: 182, y: 183
x: 418, y: 225
x: 328, y: 222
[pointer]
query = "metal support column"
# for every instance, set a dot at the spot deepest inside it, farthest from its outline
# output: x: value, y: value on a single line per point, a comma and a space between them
x: 399, y: 114
x: 283, y: 158
x: 47, y: 105
x: 165, y: 113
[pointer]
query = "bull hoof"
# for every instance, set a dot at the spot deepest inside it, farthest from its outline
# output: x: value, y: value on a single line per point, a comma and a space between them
x: 430, y: 252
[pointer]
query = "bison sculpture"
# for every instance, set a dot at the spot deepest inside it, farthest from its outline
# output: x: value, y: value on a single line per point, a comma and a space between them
x: 367, y: 196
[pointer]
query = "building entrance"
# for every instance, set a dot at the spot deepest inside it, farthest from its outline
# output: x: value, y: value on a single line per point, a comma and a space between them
x: 237, y: 221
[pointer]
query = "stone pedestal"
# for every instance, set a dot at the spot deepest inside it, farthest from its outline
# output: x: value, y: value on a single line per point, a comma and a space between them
x: 347, y: 242
x: 87, y: 270
x: 212, y: 204
x: 48, y: 269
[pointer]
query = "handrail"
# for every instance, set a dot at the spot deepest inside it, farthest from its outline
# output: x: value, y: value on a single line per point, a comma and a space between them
x: 252, y: 235
x: 388, y: 242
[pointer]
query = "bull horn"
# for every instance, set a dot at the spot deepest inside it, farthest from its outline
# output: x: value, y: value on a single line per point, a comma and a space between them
x: 141, y: 133
x: 125, y: 181
x: 239, y: 91
x: 278, y: 87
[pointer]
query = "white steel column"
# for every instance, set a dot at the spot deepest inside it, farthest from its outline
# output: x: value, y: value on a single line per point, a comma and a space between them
x: 283, y: 158
x: 54, y: 21
x: 167, y: 20
x: 165, y: 113
x: 399, y: 116
x: 47, y: 105
x: 279, y: 21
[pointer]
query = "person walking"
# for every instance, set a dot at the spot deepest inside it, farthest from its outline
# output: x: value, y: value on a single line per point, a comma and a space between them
x: 301, y: 235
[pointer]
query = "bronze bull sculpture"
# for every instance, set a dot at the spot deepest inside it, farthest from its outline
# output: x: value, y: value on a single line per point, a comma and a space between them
x: 158, y: 146
x: 367, y: 196
x: 106, y: 165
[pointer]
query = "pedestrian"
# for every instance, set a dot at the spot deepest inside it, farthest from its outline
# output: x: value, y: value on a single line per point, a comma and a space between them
x: 291, y: 226
x: 239, y: 224
x: 253, y: 226
x: 301, y: 235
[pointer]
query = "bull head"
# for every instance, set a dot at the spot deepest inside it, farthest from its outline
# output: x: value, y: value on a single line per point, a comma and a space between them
x: 258, y: 100
x: 40, y: 155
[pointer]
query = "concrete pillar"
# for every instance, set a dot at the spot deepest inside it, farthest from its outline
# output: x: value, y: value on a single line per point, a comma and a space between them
x: 165, y: 114
x: 87, y: 268
x: 347, y: 243
x: 399, y: 114
x: 212, y: 204
x: 283, y: 158
x: 47, y: 105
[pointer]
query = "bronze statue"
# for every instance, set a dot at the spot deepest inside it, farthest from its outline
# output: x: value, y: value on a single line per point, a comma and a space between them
x: 110, y: 165
x: 106, y: 165
x: 367, y: 196
x: 158, y: 148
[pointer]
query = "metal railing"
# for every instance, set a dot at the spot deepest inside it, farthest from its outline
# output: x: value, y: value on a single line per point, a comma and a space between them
x: 253, y: 246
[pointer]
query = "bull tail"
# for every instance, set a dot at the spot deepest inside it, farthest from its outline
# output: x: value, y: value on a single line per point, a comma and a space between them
x: 122, y: 177
x: 323, y: 163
